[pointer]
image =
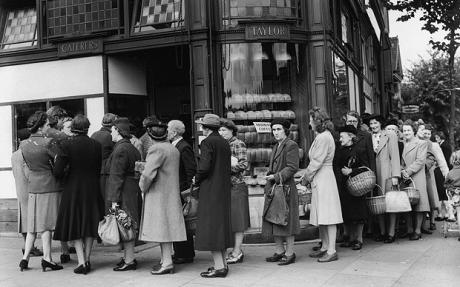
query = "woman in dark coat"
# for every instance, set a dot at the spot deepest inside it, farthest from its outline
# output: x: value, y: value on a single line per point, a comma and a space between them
x: 81, y: 206
x: 122, y: 188
x: 213, y: 229
x: 39, y: 153
x: 347, y: 160
x: 284, y: 163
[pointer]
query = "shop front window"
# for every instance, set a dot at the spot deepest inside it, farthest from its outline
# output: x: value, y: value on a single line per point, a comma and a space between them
x: 159, y: 14
x: 341, y: 102
x: 234, y: 10
x: 19, y: 27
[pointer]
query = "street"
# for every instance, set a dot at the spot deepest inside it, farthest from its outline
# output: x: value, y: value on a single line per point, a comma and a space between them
x: 432, y: 261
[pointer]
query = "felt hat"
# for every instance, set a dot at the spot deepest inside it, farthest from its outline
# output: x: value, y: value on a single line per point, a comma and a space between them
x: 348, y: 129
x: 210, y: 120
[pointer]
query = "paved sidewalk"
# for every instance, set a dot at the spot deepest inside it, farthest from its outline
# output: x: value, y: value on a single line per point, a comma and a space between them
x: 432, y: 261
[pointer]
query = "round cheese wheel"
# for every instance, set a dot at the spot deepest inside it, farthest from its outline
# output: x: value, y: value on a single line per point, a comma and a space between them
x: 237, y: 101
x: 251, y: 115
x: 264, y: 99
x: 286, y: 98
x: 267, y: 114
x: 230, y: 115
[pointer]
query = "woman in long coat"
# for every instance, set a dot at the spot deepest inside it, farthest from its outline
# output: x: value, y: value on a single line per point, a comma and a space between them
x: 122, y: 187
x: 413, y: 167
x: 284, y: 163
x: 44, y: 190
x: 213, y: 228
x: 162, y: 218
x: 81, y: 207
x: 388, y: 167
x: 325, y: 211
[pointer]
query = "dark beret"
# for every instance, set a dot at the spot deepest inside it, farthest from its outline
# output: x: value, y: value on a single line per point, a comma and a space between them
x: 348, y: 129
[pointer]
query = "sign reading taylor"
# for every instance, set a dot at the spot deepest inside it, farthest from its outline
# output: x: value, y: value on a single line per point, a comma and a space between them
x: 265, y: 31
x: 80, y: 47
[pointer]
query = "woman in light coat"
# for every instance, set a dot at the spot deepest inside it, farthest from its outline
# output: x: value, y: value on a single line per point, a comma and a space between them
x: 413, y: 167
x: 388, y: 168
x: 162, y: 218
x: 326, y: 210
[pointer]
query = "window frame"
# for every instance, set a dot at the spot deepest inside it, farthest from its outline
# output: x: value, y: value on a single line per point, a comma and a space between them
x: 19, y: 5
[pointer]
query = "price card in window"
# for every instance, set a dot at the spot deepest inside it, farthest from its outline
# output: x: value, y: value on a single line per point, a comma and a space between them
x: 260, y: 171
x: 263, y: 127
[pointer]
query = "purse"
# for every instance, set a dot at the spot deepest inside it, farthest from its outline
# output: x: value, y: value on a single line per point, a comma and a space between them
x: 190, y: 206
x: 277, y: 211
x: 397, y: 201
x: 108, y: 230
x: 125, y: 226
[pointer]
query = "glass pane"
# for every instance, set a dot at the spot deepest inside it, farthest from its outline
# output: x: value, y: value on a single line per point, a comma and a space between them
x: 23, y: 112
x: 341, y: 92
x: 95, y: 112
x: 160, y: 14
x: 20, y: 28
x: 72, y: 107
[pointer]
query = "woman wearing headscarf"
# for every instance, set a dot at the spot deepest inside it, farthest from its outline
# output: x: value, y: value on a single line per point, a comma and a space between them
x: 162, y: 217
x: 122, y: 187
x: 81, y: 207
x: 239, y: 191
x: 39, y: 153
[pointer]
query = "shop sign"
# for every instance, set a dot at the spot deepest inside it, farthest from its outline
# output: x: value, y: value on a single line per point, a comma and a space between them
x: 91, y: 46
x: 262, y: 127
x: 265, y: 31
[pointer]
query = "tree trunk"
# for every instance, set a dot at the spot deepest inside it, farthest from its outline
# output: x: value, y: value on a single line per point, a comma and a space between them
x: 452, y: 50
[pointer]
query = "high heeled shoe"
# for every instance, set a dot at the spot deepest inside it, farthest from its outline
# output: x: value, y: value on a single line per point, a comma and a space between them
x: 275, y: 257
x: 24, y: 264
x: 126, y: 267
x: 81, y: 269
x: 286, y: 260
x: 213, y: 273
x: 232, y: 259
x: 122, y: 262
x: 52, y: 265
x: 163, y: 270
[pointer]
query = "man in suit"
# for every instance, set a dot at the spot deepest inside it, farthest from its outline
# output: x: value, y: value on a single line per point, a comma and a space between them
x: 184, y: 251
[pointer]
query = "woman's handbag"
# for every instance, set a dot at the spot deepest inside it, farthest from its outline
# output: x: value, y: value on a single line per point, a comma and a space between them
x: 362, y: 183
x: 108, y: 230
x: 413, y: 193
x: 277, y: 211
x: 190, y: 206
x: 397, y: 201
x: 125, y: 226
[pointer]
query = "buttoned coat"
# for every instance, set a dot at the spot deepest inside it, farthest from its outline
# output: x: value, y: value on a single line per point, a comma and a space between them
x: 387, y: 159
x: 284, y: 163
x: 162, y: 217
x: 325, y: 202
x: 413, y: 161
x: 364, y: 146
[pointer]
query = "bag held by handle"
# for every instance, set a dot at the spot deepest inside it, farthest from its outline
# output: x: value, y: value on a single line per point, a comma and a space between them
x: 108, y: 230
x: 397, y: 201
x: 277, y: 211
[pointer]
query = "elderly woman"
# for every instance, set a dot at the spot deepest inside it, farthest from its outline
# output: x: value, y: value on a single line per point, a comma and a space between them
x: 284, y: 163
x: 122, y: 187
x: 239, y: 191
x: 81, y: 206
x: 43, y: 189
x: 325, y: 211
x: 388, y: 167
x: 65, y: 126
x: 162, y: 219
x: 347, y: 162
x: 413, y: 167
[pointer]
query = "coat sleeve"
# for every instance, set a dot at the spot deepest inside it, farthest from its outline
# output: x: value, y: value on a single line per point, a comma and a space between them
x: 393, y: 151
x: 420, y: 159
x: 154, y: 161
x: 240, y: 153
x: 440, y: 160
x: 292, y: 164
x: 318, y: 155
x: 117, y: 172
x: 187, y: 156
x: 61, y: 160
x: 370, y: 152
x: 205, y: 162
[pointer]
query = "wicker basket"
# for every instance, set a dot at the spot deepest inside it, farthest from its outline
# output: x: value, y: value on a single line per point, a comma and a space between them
x: 376, y: 204
x: 413, y: 193
x: 361, y: 183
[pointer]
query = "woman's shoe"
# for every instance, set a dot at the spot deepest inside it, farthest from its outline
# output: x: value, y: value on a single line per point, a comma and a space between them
x: 274, y: 258
x: 317, y: 254
x: 389, y: 239
x: 231, y: 259
x: 122, y: 262
x: 81, y: 269
x: 357, y: 245
x: 126, y: 267
x: 415, y: 236
x: 317, y: 247
x: 286, y: 260
x: 51, y: 265
x: 65, y: 258
x: 163, y: 270
x: 432, y: 226
x: 451, y: 220
x: 328, y: 258
x: 213, y: 273
x: 438, y: 218
x: 72, y: 250
x: 88, y: 266
x: 24, y: 264
x: 35, y: 252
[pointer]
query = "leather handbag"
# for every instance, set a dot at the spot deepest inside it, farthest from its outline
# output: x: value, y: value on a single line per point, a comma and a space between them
x: 125, y: 225
x: 277, y: 211
x: 190, y: 206
x: 397, y: 201
x: 108, y: 230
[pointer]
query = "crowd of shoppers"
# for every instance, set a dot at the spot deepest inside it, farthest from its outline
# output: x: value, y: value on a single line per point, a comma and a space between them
x: 67, y: 181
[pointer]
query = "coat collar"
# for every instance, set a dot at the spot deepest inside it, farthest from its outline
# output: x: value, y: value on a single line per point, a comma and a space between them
x: 409, y: 146
x: 279, y: 148
x: 383, y: 141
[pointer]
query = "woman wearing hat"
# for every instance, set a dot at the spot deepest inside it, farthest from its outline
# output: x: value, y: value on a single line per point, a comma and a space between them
x: 162, y: 217
x: 388, y: 168
x: 284, y: 163
x: 347, y: 162
x: 81, y: 206
x: 239, y: 191
x: 122, y: 187
x: 44, y: 191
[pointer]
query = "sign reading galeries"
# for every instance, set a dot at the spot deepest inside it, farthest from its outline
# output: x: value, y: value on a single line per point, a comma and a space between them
x: 267, y: 31
x: 90, y: 46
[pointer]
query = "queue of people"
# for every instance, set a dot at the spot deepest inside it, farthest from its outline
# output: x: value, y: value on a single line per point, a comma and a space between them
x: 67, y: 181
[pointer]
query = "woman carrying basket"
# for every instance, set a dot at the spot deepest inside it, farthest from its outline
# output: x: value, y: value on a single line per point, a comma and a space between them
x: 348, y: 162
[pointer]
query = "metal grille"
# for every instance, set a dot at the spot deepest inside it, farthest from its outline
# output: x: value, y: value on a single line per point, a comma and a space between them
x: 20, y: 28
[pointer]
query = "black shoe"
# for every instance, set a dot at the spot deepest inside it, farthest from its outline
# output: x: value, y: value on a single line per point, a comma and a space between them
x: 88, y: 266
x: 72, y: 250
x: 379, y: 238
x: 389, y: 239
x: 286, y: 260
x: 213, y: 273
x: 346, y: 244
x: 451, y: 220
x: 122, y: 262
x: 51, y: 265
x: 163, y: 270
x: 179, y: 260
x: 440, y: 218
x: 357, y: 245
x: 65, y: 258
x: 432, y: 226
x: 317, y: 254
x: 126, y: 267
x: 317, y: 247
x: 35, y: 252
x: 415, y: 236
x: 424, y: 231
x: 24, y: 264
x: 81, y: 269
x: 275, y: 258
